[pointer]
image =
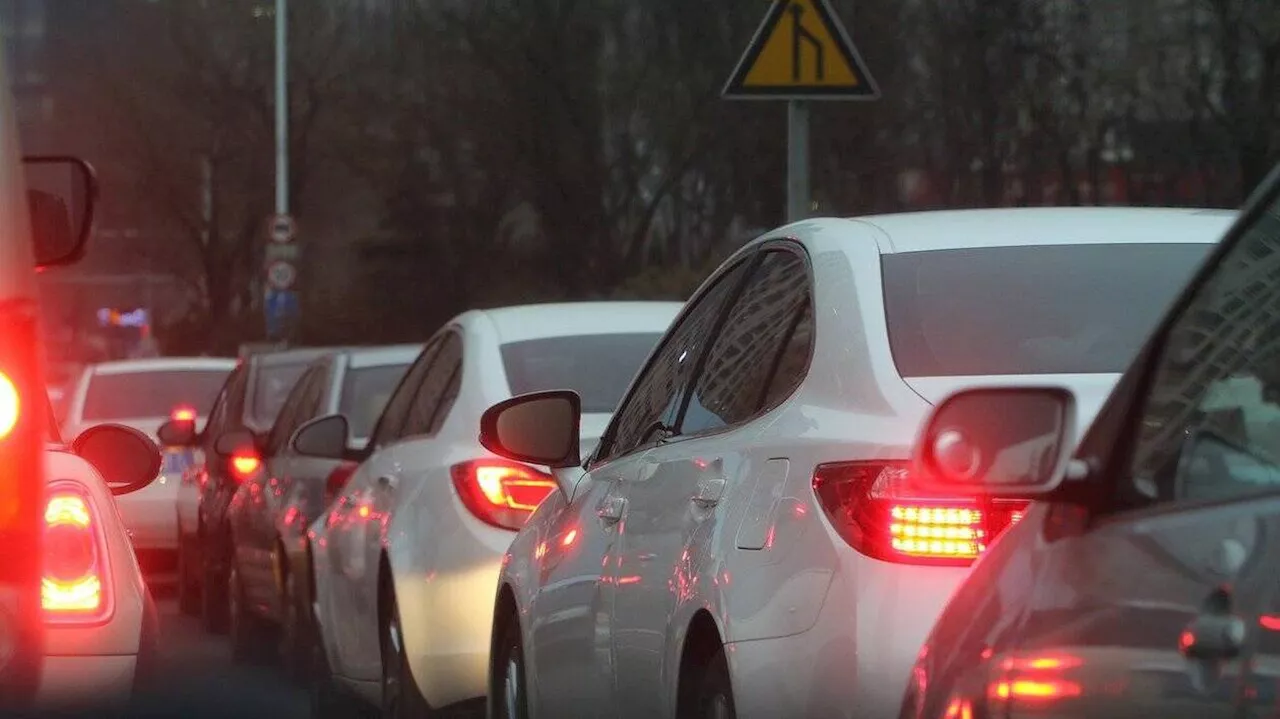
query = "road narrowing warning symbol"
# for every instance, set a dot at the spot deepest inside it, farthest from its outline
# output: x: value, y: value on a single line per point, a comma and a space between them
x: 801, y: 52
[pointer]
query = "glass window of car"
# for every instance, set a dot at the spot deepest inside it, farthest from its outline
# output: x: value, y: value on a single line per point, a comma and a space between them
x: 150, y: 393
x: 651, y: 404
x: 736, y: 376
x: 365, y: 392
x: 271, y: 386
x: 1079, y: 308
x: 598, y: 367
x: 1211, y: 423
x: 391, y: 424
x: 297, y: 409
x: 422, y: 419
x: 222, y: 406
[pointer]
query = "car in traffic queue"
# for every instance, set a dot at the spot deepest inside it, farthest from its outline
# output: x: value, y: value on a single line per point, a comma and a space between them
x: 1143, y: 582
x: 742, y: 541
x: 406, y: 558
x: 99, y: 618
x: 249, y: 401
x: 269, y: 513
x: 144, y: 394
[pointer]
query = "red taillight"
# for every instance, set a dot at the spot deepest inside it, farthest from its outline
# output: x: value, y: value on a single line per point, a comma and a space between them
x: 244, y: 465
x: 873, y: 509
x: 75, y: 586
x: 10, y: 405
x: 501, y: 493
x: 337, y: 479
x: 183, y: 414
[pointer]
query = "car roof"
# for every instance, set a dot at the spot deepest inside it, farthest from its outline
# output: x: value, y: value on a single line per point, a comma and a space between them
x: 162, y: 364
x: 360, y: 357
x: 561, y: 319
x: 1011, y: 227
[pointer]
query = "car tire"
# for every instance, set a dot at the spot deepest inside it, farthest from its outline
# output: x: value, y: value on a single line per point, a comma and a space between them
x: 295, y: 632
x: 251, y: 637
x: 400, y: 696
x: 510, y: 691
x: 713, y: 696
x: 213, y: 599
x: 188, y: 588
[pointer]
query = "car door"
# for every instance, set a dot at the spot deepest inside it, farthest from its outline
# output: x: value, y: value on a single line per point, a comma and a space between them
x: 349, y: 621
x: 1161, y: 601
x: 577, y: 585
x: 688, y: 483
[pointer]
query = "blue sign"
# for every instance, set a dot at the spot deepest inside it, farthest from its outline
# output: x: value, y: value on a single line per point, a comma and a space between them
x: 280, y: 306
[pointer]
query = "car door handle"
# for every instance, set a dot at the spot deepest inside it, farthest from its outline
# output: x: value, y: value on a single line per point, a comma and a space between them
x: 708, y: 492
x: 387, y: 482
x: 611, y: 509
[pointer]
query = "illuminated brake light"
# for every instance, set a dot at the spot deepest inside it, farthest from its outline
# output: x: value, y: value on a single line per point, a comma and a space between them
x: 74, y: 587
x: 872, y: 507
x: 1033, y: 689
x: 243, y: 466
x: 10, y: 405
x: 501, y: 493
x: 183, y: 414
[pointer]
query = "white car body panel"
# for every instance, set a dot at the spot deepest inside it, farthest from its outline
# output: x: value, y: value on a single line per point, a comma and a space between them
x: 444, y: 562
x: 810, y: 626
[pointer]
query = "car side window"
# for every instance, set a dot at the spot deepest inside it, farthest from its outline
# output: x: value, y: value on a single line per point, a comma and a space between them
x: 736, y: 378
x: 290, y: 414
x: 652, y: 403
x: 391, y: 424
x: 1210, y: 428
x: 222, y: 406
x: 448, y: 397
x: 432, y: 392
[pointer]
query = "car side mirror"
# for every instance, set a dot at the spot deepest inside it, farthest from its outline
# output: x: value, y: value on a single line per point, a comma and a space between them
x: 1000, y: 441
x: 236, y: 442
x: 62, y: 196
x: 323, y: 438
x: 178, y: 433
x: 538, y: 427
x: 127, y: 459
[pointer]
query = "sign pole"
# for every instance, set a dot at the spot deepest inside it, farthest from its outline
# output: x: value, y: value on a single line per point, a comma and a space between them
x: 279, y: 299
x: 799, y: 198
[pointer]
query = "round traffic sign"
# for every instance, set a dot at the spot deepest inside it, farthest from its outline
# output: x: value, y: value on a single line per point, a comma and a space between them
x: 281, y: 275
x: 282, y: 228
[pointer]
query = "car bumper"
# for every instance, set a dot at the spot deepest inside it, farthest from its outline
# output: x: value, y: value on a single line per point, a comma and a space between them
x: 100, y: 682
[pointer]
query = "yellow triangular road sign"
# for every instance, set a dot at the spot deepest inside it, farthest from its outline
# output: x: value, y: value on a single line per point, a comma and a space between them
x: 801, y: 51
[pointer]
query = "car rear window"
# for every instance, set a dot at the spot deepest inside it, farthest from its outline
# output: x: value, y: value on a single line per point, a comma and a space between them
x: 598, y: 367
x: 365, y: 392
x: 1047, y: 309
x: 151, y: 394
x: 271, y: 388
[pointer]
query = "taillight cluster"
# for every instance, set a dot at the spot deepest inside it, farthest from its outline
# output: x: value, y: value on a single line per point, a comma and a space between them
x: 76, y: 583
x: 501, y: 493
x: 873, y: 508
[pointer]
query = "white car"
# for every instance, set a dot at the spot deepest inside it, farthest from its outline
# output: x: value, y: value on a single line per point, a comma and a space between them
x: 101, y: 627
x: 407, y: 557
x: 741, y: 541
x: 144, y: 394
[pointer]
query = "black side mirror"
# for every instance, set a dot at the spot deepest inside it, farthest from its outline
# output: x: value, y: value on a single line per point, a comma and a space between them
x: 62, y: 196
x: 236, y: 442
x: 538, y: 427
x: 322, y: 438
x: 127, y: 459
x: 178, y: 433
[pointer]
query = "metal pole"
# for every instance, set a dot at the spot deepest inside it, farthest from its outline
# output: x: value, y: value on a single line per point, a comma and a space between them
x: 282, y: 110
x: 798, y: 196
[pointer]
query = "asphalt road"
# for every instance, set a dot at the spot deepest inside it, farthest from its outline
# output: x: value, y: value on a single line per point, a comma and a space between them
x: 197, y: 678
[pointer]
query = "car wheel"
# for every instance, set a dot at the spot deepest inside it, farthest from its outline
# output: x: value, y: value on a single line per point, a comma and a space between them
x: 188, y: 587
x: 213, y: 599
x: 250, y: 636
x: 295, y: 633
x: 400, y: 696
x: 510, y: 693
x: 714, y: 697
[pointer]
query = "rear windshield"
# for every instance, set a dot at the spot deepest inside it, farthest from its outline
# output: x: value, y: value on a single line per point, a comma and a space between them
x: 365, y: 392
x: 270, y: 390
x: 151, y: 394
x: 597, y: 367
x: 1048, y: 309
